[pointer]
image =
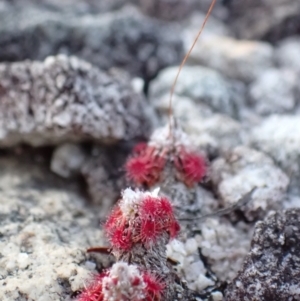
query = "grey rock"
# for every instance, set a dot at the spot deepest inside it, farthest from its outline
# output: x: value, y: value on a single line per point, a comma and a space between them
x: 238, y: 59
x: 224, y: 246
x: 209, y: 131
x: 188, y: 201
x: 287, y: 53
x: 203, y: 85
x: 271, y: 269
x: 278, y: 136
x: 166, y: 9
x: 178, y: 10
x: 190, y: 266
x: 242, y: 169
x: 191, y: 26
x: 267, y: 19
x: 100, y: 167
x: 71, y: 6
x: 220, y: 11
x: 124, y: 39
x: 3, y: 6
x: 274, y: 92
x: 66, y: 99
x: 104, y: 176
x: 199, y: 95
x: 67, y: 160
x: 45, y: 230
x: 216, y: 134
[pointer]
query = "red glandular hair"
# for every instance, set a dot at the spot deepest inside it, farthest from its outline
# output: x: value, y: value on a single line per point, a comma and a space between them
x: 124, y: 282
x: 144, y: 219
x: 147, y: 162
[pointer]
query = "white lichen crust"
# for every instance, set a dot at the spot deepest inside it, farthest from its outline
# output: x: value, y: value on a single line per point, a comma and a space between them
x: 272, y: 267
x: 64, y: 98
x: 278, y: 136
x: 120, y: 285
x: 243, y: 169
x: 45, y: 231
x: 166, y: 137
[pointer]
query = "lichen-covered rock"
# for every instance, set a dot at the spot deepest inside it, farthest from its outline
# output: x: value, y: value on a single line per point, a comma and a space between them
x: 188, y: 201
x: 45, y: 230
x: 202, y: 85
x: 278, y: 136
x: 287, y: 52
x: 125, y: 39
x: 166, y: 9
x: 272, y: 268
x: 257, y: 19
x: 216, y: 133
x: 242, y: 169
x: 70, y: 6
x: 190, y: 266
x: 67, y: 160
x: 178, y: 9
x: 190, y: 28
x: 274, y: 92
x: 209, y: 131
x: 104, y: 176
x: 239, y: 59
x: 64, y: 98
x: 224, y: 246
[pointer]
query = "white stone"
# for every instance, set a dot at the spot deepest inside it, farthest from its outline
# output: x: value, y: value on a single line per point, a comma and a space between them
x: 67, y: 160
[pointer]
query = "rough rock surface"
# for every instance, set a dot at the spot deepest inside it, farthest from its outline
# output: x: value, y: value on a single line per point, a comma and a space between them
x: 67, y: 160
x: 177, y: 9
x: 100, y: 167
x: 274, y: 91
x: 272, y: 268
x: 278, y: 136
x: 45, y: 230
x: 242, y: 169
x: 239, y: 59
x: 213, y: 255
x: 190, y: 266
x: 79, y: 6
x: 190, y: 27
x: 166, y: 9
x: 224, y: 246
x: 65, y: 98
x: 287, y: 53
x: 215, y: 134
x: 209, y: 131
x: 202, y: 85
x: 104, y: 176
x: 257, y: 19
x: 124, y: 39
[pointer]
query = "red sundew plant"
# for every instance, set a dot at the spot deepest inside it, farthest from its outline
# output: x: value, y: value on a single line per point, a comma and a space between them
x: 146, y: 164
x: 94, y: 291
x: 192, y: 167
x: 154, y: 287
x: 146, y: 221
x: 140, y: 217
x: 124, y: 282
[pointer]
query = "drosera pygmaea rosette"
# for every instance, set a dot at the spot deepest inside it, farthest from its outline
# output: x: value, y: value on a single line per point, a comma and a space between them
x: 146, y: 166
x: 138, y: 229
